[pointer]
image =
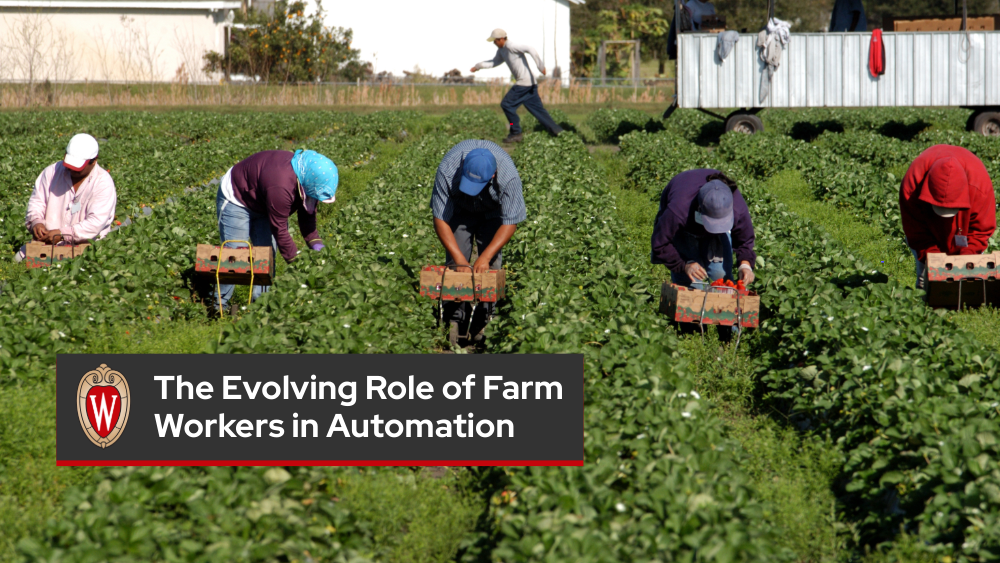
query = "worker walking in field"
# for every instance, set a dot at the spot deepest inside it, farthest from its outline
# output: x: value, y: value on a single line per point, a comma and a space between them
x: 477, y: 197
x: 702, y: 220
x: 74, y: 199
x: 947, y: 205
x: 258, y: 196
x: 525, y: 89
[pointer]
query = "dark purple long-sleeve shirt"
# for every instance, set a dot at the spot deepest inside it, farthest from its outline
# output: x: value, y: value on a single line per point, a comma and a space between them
x: 677, y: 213
x: 265, y: 183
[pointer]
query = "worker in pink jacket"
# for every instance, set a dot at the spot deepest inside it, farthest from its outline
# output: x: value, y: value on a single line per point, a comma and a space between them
x: 73, y: 200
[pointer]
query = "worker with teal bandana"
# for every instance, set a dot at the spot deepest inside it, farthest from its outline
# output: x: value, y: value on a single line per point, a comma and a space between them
x: 258, y: 196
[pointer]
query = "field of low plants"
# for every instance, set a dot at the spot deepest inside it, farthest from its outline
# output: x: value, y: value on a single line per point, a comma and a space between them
x: 855, y: 425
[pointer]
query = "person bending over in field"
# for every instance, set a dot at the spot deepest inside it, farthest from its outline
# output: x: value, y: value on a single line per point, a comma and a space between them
x: 477, y: 196
x: 258, y: 195
x: 74, y: 199
x: 525, y: 89
x: 947, y: 205
x: 702, y: 220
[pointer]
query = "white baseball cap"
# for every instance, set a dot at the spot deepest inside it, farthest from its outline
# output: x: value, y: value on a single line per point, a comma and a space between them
x: 81, y: 148
x: 497, y: 34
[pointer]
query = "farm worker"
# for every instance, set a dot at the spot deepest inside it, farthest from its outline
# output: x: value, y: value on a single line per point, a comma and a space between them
x: 702, y: 220
x: 947, y: 205
x: 258, y: 195
x: 525, y: 88
x: 699, y: 9
x: 74, y: 199
x: 848, y: 15
x: 477, y: 196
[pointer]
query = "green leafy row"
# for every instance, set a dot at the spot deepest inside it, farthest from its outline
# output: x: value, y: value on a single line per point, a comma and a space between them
x: 661, y: 480
x: 908, y: 397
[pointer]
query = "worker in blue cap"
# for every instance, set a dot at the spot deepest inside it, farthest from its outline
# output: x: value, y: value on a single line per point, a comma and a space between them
x: 477, y: 197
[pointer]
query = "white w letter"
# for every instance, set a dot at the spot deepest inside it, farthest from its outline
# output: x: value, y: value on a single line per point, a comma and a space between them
x: 104, y: 413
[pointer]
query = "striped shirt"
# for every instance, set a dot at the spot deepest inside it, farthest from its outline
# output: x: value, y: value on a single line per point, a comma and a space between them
x: 501, y: 198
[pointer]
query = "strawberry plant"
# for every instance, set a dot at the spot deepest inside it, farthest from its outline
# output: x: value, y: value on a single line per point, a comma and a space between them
x: 609, y: 125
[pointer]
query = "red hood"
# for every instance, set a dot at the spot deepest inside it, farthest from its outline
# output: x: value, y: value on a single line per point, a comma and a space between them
x: 946, y: 185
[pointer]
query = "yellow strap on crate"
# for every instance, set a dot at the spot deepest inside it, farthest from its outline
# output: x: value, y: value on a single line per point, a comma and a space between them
x: 218, y: 290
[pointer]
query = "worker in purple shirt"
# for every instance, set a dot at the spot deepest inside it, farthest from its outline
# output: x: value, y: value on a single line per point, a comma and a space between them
x: 258, y: 196
x: 703, y: 219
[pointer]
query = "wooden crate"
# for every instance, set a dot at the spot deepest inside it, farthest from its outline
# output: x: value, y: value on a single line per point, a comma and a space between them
x: 938, y: 23
x: 963, y: 281
x: 684, y: 305
x: 235, y: 264
x: 42, y: 255
x: 457, y: 285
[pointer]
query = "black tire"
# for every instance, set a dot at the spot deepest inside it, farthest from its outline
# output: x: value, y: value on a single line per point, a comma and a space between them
x: 987, y: 123
x: 744, y: 122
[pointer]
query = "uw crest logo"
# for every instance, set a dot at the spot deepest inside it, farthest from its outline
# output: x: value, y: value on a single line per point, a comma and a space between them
x: 103, y: 404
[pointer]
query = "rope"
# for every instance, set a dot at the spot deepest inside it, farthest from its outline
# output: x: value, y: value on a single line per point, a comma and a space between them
x: 218, y: 290
x: 965, y: 46
x: 739, y: 322
x: 475, y: 303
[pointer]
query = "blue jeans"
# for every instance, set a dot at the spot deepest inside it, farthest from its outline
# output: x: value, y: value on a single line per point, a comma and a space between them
x: 528, y: 97
x: 920, y: 267
x: 239, y: 223
x: 714, y: 253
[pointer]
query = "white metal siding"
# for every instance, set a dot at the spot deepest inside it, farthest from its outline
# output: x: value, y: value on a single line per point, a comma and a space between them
x: 831, y: 70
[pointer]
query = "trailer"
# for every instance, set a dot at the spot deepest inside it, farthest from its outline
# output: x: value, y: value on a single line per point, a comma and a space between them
x: 922, y: 69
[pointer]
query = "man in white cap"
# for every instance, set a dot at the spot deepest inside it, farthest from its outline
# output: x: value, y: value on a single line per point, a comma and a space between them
x: 74, y: 199
x: 525, y: 89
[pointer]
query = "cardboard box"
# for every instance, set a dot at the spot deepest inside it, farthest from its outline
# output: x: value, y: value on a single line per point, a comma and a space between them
x: 685, y: 305
x: 235, y: 264
x: 62, y: 252
x: 457, y: 285
x: 963, y: 281
x: 41, y: 255
x: 938, y: 23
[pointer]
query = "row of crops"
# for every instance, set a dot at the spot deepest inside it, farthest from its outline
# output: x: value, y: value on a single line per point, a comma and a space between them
x: 910, y: 400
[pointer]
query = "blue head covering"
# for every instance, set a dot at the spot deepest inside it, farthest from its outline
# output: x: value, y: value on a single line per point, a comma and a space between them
x: 317, y: 174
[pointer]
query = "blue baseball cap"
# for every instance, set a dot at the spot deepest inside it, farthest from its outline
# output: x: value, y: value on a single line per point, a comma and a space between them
x: 714, y: 209
x: 478, y: 168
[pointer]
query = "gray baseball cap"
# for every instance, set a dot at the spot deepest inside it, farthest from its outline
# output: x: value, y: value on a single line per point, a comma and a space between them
x: 714, y: 207
x: 497, y: 34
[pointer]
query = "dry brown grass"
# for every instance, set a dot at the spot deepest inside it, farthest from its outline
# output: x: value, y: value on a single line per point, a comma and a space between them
x: 385, y: 95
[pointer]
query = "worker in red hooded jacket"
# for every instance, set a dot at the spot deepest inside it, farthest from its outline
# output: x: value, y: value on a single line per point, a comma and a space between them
x: 947, y: 205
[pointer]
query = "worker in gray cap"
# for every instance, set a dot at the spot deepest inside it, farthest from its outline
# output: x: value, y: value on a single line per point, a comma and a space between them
x: 702, y: 221
x: 525, y: 89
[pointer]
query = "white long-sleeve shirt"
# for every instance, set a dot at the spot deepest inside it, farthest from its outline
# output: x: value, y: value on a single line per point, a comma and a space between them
x: 513, y: 55
x: 51, y: 203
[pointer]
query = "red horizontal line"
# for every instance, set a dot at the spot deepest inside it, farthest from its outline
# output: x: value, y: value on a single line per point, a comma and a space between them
x: 315, y: 462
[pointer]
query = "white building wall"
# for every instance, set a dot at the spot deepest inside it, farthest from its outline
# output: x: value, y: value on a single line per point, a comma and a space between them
x: 97, y: 45
x: 438, y: 36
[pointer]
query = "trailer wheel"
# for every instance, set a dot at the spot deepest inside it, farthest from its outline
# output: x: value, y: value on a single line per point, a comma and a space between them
x: 987, y: 123
x: 744, y: 122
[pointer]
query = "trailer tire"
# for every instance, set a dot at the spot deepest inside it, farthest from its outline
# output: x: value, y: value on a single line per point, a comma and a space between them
x: 744, y: 122
x: 987, y: 123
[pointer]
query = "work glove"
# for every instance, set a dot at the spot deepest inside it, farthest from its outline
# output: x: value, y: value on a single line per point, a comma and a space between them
x: 317, y: 246
x: 694, y: 271
x: 746, y: 274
